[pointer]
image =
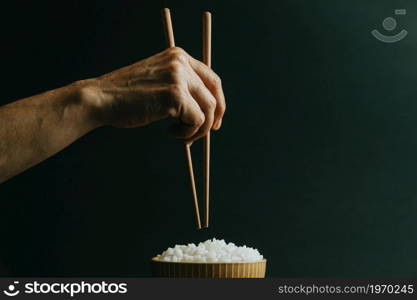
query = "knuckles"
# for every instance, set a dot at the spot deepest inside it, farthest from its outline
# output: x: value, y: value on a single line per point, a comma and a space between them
x: 211, y: 105
x: 221, y: 106
x: 175, y: 94
x: 175, y: 68
x: 217, y: 81
x: 176, y: 64
x: 200, y: 119
x: 177, y: 54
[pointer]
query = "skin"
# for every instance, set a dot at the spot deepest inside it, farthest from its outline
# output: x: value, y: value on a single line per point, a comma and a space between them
x: 168, y: 84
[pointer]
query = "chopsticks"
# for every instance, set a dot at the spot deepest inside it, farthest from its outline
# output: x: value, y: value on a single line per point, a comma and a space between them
x: 169, y: 33
x: 207, y: 61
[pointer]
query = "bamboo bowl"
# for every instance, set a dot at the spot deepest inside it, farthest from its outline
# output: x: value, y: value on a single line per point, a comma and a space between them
x: 208, y: 270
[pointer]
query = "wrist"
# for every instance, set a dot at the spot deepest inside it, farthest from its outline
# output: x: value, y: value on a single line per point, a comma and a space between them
x: 89, y: 98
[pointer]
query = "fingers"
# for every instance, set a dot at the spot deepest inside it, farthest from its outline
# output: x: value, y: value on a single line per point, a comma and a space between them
x: 206, y: 75
x: 187, y: 110
x: 213, y: 83
x: 207, y: 104
x: 202, y: 105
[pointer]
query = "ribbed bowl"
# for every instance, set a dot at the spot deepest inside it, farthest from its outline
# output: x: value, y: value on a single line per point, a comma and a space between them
x: 208, y: 270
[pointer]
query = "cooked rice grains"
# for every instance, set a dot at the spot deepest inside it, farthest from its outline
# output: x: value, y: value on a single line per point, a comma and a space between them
x: 211, y: 251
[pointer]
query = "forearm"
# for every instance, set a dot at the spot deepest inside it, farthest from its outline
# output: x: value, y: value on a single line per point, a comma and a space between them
x: 34, y: 128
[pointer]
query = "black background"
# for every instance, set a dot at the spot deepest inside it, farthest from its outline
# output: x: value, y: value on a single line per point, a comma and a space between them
x: 315, y: 164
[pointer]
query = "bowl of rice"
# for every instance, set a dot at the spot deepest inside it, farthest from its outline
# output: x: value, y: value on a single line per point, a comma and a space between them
x: 210, y: 259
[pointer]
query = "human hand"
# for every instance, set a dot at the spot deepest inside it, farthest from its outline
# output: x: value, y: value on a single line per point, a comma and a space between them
x: 168, y: 84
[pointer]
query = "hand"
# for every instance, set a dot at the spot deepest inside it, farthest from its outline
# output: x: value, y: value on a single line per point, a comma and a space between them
x: 168, y: 84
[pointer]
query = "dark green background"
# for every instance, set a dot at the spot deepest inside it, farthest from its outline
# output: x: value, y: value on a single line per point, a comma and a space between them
x: 315, y: 164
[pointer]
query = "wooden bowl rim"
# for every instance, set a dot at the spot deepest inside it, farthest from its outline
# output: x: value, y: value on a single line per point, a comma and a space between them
x: 155, y: 259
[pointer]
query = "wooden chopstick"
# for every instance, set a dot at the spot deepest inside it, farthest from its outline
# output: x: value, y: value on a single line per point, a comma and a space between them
x: 192, y: 183
x: 169, y: 34
x: 207, y: 61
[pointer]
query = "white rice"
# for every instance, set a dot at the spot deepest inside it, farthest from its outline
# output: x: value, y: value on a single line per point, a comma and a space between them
x: 211, y: 251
